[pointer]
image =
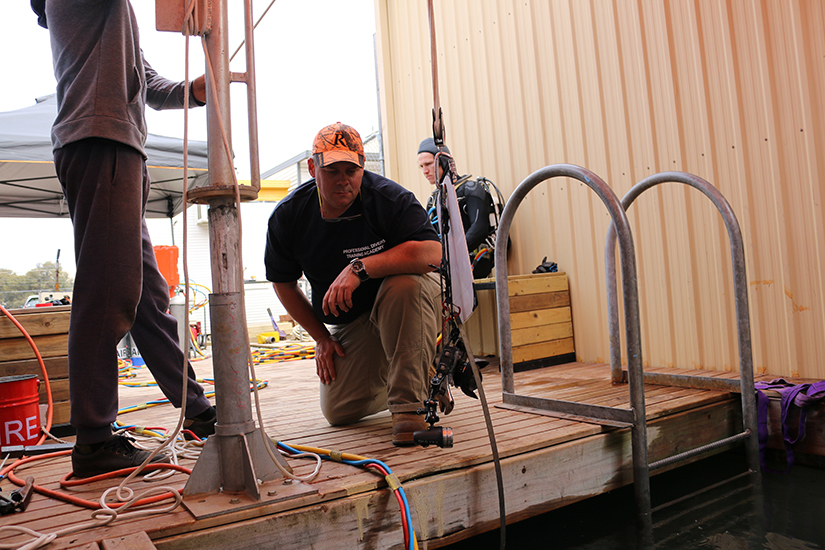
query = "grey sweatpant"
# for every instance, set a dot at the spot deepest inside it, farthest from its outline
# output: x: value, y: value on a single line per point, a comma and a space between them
x: 388, y: 352
x: 118, y: 287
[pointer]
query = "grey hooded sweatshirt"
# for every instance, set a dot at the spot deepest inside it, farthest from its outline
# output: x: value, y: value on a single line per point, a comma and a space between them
x: 103, y: 81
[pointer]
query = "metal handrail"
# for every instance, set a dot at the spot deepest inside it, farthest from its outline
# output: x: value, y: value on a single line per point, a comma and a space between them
x: 737, y: 251
x: 251, y: 98
x: 636, y: 415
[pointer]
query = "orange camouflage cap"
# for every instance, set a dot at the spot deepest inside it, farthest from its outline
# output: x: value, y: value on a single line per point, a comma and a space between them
x: 338, y: 142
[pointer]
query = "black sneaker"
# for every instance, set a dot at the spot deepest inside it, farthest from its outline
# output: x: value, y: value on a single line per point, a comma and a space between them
x: 202, y: 425
x: 116, y: 453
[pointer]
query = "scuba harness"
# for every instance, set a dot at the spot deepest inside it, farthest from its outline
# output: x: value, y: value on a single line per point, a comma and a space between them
x: 481, y: 251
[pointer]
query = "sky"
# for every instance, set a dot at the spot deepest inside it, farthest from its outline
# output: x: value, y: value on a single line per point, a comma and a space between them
x: 315, y: 65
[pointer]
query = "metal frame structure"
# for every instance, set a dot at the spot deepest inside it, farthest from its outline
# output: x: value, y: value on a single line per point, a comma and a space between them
x: 240, y: 456
x: 740, y: 286
x: 635, y: 417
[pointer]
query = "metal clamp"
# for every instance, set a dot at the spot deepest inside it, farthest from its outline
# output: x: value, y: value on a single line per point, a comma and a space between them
x: 17, y: 500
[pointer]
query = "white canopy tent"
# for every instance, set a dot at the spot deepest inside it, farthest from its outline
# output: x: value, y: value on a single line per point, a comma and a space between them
x: 29, y: 187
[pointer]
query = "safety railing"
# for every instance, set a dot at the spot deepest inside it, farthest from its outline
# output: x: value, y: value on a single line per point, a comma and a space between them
x: 745, y: 384
x: 635, y: 417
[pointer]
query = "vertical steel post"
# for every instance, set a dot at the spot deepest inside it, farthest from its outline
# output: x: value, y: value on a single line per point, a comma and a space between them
x: 236, y: 459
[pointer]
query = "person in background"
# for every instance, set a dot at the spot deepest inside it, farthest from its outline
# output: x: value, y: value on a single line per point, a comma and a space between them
x: 476, y: 205
x: 368, y: 250
x: 103, y: 87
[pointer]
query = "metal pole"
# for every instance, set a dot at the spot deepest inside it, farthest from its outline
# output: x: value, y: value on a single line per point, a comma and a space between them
x: 220, y: 167
x: 235, y: 460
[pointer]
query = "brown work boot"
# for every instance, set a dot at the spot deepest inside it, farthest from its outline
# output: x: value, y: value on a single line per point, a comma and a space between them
x: 403, y: 427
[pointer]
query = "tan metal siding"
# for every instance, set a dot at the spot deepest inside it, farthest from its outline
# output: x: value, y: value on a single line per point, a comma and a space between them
x: 732, y: 91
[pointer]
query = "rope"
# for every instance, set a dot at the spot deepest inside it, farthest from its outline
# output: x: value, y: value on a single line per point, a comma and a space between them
x: 438, y: 137
x: 438, y: 122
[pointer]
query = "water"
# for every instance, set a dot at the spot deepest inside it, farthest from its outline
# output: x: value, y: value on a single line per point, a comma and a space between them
x: 787, y: 514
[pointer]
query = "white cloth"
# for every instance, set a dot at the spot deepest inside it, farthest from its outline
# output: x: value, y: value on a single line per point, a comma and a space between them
x: 461, y: 273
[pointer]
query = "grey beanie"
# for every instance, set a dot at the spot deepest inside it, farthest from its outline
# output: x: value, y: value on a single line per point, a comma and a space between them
x: 428, y: 146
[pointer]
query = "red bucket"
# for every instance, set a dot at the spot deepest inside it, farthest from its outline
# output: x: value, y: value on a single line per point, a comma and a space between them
x: 19, y: 411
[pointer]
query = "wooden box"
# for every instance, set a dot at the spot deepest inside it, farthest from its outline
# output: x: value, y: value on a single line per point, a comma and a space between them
x: 541, y: 321
x: 49, y: 328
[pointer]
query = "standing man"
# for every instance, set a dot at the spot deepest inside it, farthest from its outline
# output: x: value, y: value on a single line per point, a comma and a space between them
x: 475, y: 203
x: 368, y: 251
x: 103, y: 86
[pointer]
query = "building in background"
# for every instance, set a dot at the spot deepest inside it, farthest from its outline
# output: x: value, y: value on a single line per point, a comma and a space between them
x: 733, y: 92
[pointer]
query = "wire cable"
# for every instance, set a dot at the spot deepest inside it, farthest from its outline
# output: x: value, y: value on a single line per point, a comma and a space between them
x: 356, y: 460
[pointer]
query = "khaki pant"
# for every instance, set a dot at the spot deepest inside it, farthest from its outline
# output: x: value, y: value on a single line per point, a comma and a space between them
x: 388, y: 352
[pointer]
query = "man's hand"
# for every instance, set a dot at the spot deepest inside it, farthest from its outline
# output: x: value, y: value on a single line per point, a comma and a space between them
x: 199, y: 89
x: 325, y: 351
x: 339, y: 294
x: 326, y: 346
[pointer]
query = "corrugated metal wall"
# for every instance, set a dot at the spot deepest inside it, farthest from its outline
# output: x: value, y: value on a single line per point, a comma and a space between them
x: 732, y: 91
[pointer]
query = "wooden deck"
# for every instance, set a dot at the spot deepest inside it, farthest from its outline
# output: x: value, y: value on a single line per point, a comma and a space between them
x: 547, y: 463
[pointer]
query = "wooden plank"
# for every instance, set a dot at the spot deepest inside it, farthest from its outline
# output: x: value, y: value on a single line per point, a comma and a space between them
x: 536, y: 284
x: 533, y: 302
x: 14, y: 349
x: 59, y: 389
x: 544, y: 333
x: 546, y: 349
x: 136, y: 541
x: 367, y: 512
x: 56, y: 367
x: 36, y: 321
x: 460, y: 503
x: 540, y: 317
x: 61, y: 413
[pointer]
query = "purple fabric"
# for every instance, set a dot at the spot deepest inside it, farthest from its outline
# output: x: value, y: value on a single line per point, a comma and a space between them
x: 803, y: 396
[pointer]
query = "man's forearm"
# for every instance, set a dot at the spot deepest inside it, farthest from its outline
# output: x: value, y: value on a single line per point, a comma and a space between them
x: 411, y: 257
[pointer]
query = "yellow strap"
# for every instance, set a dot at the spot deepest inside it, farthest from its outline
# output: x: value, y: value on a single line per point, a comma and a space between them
x: 393, y: 482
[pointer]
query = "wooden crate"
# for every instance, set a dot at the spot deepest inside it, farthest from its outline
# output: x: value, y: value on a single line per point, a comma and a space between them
x: 482, y: 326
x: 541, y: 321
x: 49, y: 328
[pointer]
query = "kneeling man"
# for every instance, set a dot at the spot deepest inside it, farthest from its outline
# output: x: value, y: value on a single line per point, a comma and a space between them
x: 369, y: 252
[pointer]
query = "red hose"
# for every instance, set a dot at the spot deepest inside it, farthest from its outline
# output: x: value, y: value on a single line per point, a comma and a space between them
x: 49, y: 410
x: 64, y: 482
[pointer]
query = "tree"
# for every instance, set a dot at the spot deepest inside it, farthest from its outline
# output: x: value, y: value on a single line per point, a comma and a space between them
x: 10, y: 288
x: 14, y: 289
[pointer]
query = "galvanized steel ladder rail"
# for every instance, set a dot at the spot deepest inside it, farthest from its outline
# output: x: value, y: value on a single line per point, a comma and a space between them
x: 740, y: 287
x: 635, y: 417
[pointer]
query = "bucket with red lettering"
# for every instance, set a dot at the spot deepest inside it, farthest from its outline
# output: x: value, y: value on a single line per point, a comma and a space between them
x: 19, y: 411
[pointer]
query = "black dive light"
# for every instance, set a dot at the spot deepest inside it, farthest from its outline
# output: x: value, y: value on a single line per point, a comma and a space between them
x: 440, y: 436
